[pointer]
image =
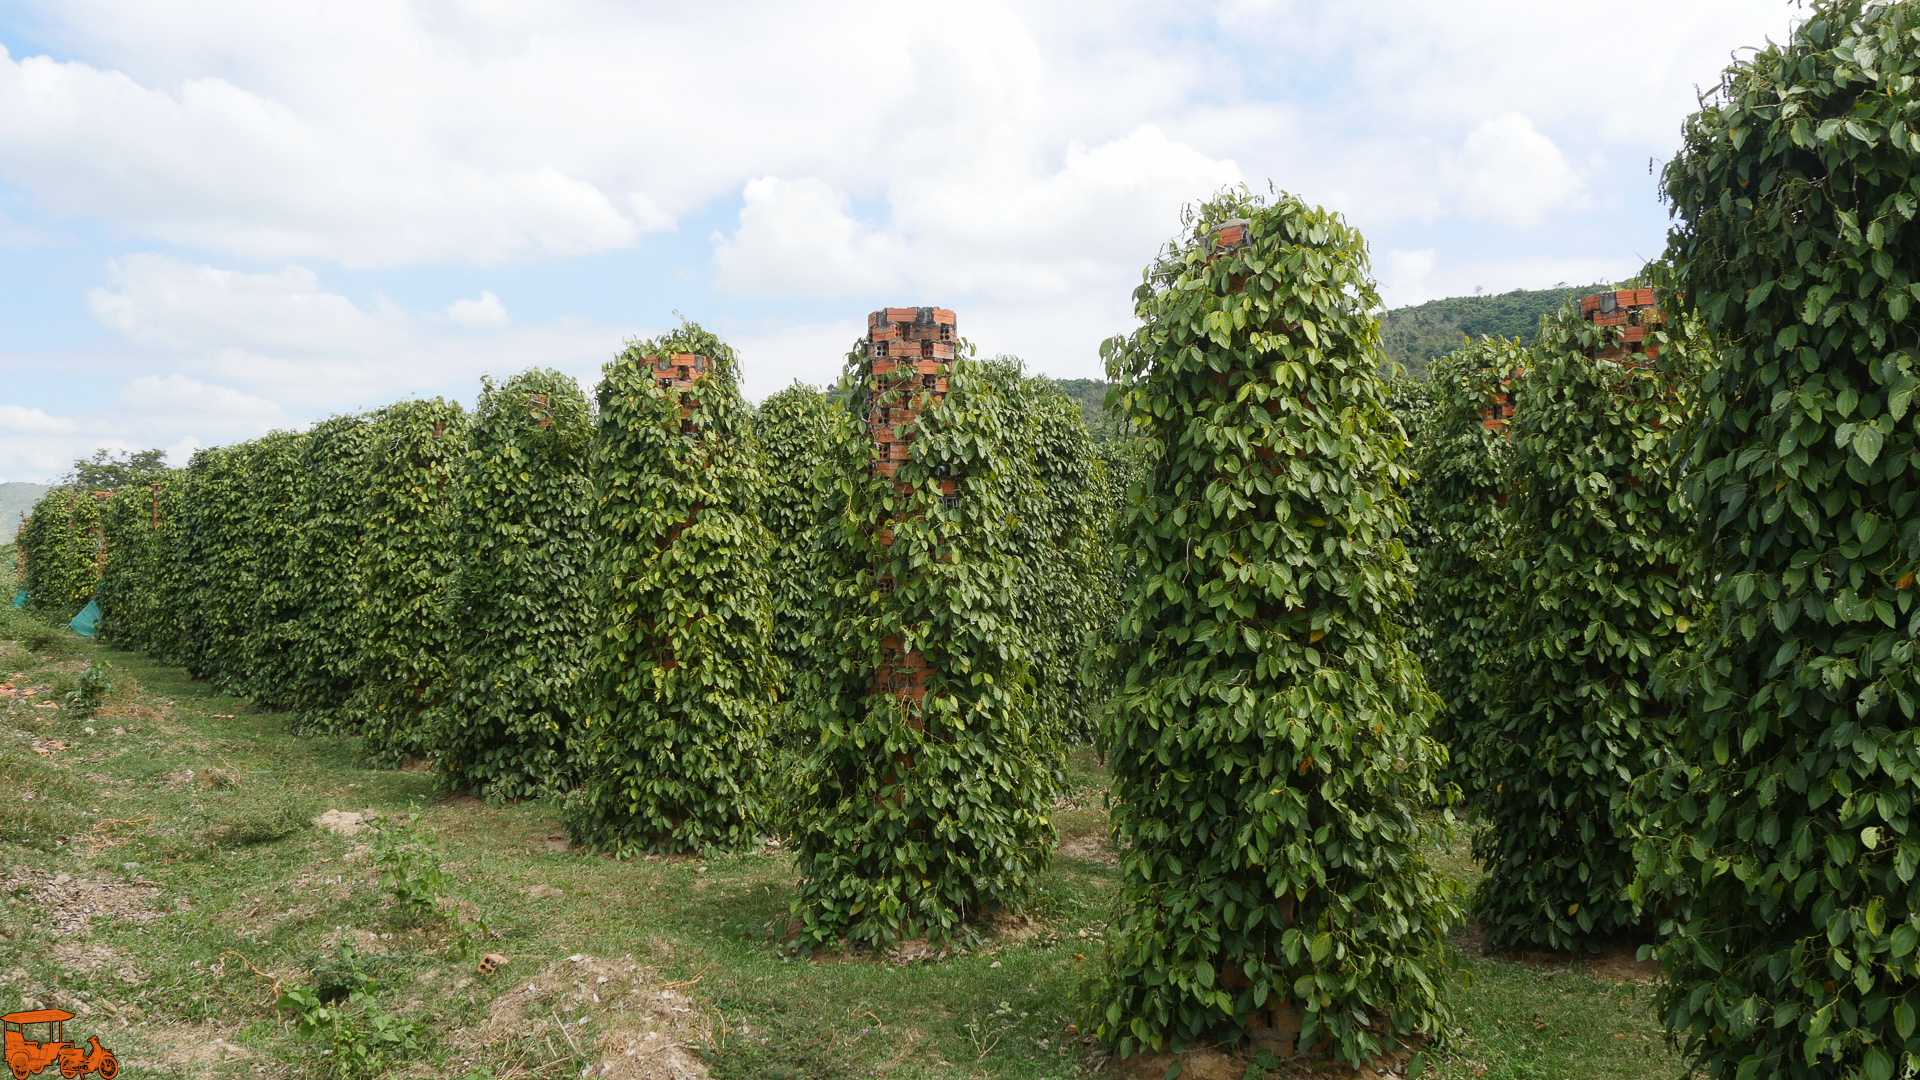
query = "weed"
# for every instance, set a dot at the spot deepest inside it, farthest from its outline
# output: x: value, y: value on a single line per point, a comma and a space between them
x: 62, y: 686
x: 986, y: 1033
x: 359, y: 1042
x: 339, y: 976
x: 471, y: 941
x: 788, y: 1044
x: 410, y: 869
x: 38, y: 810
x: 45, y: 640
x: 92, y: 689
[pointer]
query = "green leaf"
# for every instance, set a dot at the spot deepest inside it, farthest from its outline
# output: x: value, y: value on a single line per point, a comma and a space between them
x: 1867, y: 441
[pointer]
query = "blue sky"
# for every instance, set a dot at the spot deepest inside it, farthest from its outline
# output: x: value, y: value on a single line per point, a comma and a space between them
x: 218, y: 218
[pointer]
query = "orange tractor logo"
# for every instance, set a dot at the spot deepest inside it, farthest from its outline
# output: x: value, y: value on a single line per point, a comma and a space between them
x: 27, y: 1056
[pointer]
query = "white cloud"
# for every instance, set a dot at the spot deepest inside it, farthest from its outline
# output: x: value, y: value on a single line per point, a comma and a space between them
x: 177, y: 396
x: 647, y: 213
x: 1405, y: 273
x: 182, y: 451
x: 981, y: 229
x: 772, y: 358
x: 280, y: 339
x: 17, y: 420
x: 484, y: 313
x: 1018, y: 162
x: 799, y: 238
x: 1511, y: 174
x: 169, y: 303
x: 219, y: 166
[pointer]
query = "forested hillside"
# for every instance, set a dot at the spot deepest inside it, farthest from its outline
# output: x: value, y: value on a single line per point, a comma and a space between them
x: 15, y: 500
x: 1091, y: 396
x: 1415, y: 335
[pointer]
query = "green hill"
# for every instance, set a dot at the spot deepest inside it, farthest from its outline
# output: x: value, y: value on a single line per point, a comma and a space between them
x: 1417, y: 334
x: 1091, y: 396
x: 15, y: 500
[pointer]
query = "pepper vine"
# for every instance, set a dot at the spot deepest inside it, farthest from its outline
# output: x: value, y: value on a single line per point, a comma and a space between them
x: 1600, y: 587
x: 681, y: 676
x: 1780, y: 853
x: 519, y: 593
x: 1269, y: 753
x: 927, y: 793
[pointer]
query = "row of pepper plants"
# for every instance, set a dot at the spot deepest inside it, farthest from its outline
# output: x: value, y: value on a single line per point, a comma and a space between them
x: 655, y: 605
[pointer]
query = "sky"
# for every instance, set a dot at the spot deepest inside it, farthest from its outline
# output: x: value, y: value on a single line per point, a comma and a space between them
x: 223, y: 218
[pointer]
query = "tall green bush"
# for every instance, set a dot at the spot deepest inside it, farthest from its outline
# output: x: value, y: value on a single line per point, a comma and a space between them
x: 140, y: 588
x: 1463, y: 576
x: 59, y: 542
x: 323, y: 582
x: 1268, y: 741
x: 681, y: 674
x: 792, y: 428
x: 518, y: 597
x: 920, y: 812
x: 1780, y: 853
x: 1600, y: 590
x: 219, y: 546
x: 1127, y: 462
x: 1059, y: 482
x: 276, y: 493
x: 402, y: 624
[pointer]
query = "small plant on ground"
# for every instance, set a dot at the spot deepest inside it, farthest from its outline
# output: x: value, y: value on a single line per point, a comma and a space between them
x: 95, y: 683
x: 357, y: 1041
x: 409, y: 859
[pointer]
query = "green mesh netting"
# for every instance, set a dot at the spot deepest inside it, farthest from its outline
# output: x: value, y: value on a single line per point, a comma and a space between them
x: 87, y: 621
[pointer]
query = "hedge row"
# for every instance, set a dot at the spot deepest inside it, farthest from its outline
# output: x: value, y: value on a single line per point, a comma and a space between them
x: 546, y: 597
x: 1699, y: 721
x: 680, y: 676
x: 1459, y: 537
x: 60, y: 546
x: 520, y: 595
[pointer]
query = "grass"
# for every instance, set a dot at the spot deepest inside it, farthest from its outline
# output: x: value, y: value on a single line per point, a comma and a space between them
x: 181, y: 818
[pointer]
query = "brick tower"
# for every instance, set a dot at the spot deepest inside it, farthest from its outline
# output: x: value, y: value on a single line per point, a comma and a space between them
x: 1637, y: 310
x: 909, y: 352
